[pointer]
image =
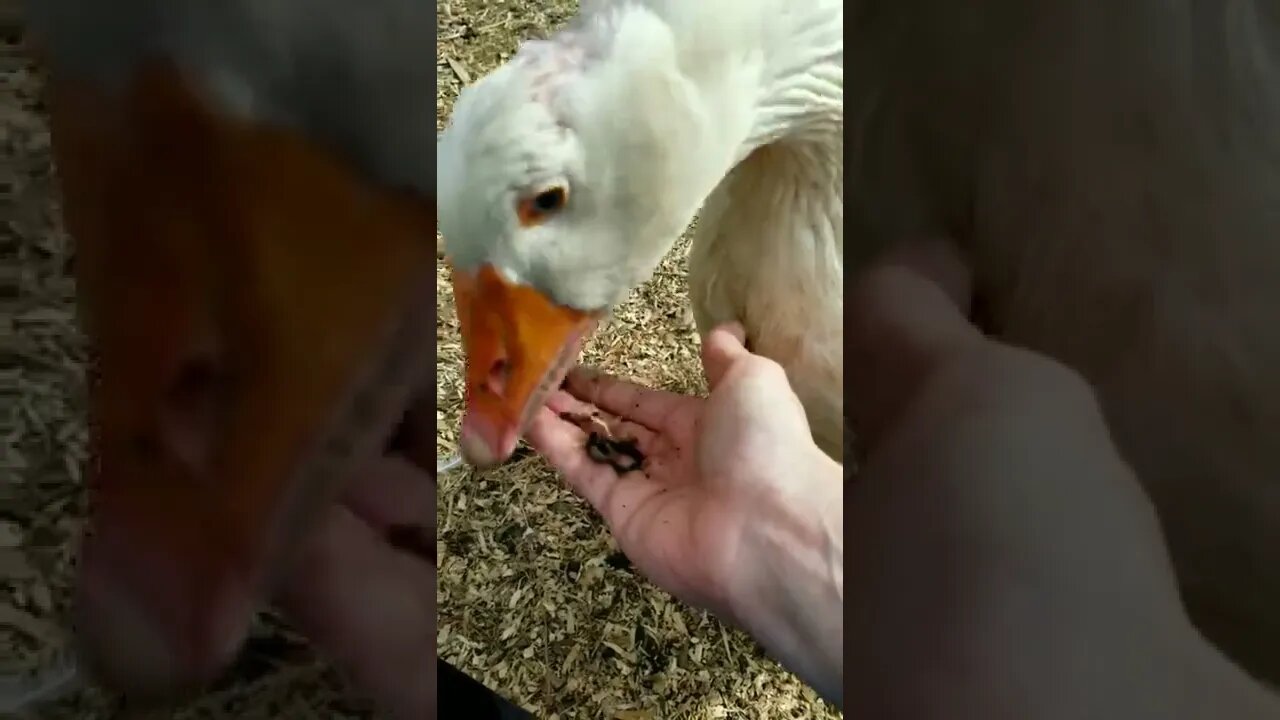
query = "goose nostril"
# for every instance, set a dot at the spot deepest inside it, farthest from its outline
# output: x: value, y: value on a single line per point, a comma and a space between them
x: 191, y: 414
x: 498, y: 375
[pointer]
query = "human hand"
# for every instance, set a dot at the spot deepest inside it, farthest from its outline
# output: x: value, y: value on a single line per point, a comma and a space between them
x: 735, y: 510
x: 363, y: 588
x: 713, y: 465
x: 1007, y: 564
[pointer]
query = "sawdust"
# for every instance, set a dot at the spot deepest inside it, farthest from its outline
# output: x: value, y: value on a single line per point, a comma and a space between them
x: 42, y: 433
x: 533, y: 599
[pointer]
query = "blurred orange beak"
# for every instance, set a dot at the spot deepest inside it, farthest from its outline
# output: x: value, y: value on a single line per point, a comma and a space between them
x: 518, y: 346
x: 259, y: 319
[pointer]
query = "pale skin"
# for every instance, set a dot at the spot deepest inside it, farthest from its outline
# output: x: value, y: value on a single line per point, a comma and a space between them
x: 1005, y: 561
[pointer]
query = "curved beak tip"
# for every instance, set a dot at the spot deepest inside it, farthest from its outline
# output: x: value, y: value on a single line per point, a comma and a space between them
x: 144, y: 627
x: 484, y: 450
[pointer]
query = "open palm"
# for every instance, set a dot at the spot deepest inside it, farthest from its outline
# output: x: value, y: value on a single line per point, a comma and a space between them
x: 708, y: 463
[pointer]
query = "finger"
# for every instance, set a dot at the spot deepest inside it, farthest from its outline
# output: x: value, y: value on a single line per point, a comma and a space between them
x: 370, y: 609
x: 721, y: 348
x: 391, y: 492
x: 646, y: 406
x: 563, y: 444
x: 569, y: 408
x: 657, y: 449
x: 938, y: 262
x: 560, y: 402
x: 612, y: 495
x: 905, y: 314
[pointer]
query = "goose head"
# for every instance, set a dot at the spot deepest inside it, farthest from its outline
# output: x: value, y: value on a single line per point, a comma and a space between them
x: 249, y: 188
x: 564, y: 176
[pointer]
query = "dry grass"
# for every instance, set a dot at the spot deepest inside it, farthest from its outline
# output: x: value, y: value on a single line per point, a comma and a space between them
x: 534, y: 599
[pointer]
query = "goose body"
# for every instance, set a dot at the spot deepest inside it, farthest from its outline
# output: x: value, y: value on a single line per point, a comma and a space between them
x: 1112, y: 172
x: 641, y: 114
x: 769, y: 253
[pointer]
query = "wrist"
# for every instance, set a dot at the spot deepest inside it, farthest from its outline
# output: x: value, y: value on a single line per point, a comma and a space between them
x: 789, y: 591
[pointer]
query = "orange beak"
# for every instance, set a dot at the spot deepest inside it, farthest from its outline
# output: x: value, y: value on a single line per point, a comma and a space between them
x: 258, y: 315
x: 518, y: 346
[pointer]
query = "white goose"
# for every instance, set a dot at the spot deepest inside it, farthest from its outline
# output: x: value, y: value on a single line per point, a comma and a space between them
x: 1111, y: 170
x: 566, y: 174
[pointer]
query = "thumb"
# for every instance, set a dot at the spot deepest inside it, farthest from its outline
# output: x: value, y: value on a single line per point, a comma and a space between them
x: 721, y: 348
x: 905, y: 314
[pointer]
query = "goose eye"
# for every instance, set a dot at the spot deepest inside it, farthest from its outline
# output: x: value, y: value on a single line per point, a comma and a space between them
x: 533, y: 210
x: 549, y: 200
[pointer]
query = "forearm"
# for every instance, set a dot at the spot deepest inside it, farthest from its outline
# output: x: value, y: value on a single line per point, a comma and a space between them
x: 793, y: 601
